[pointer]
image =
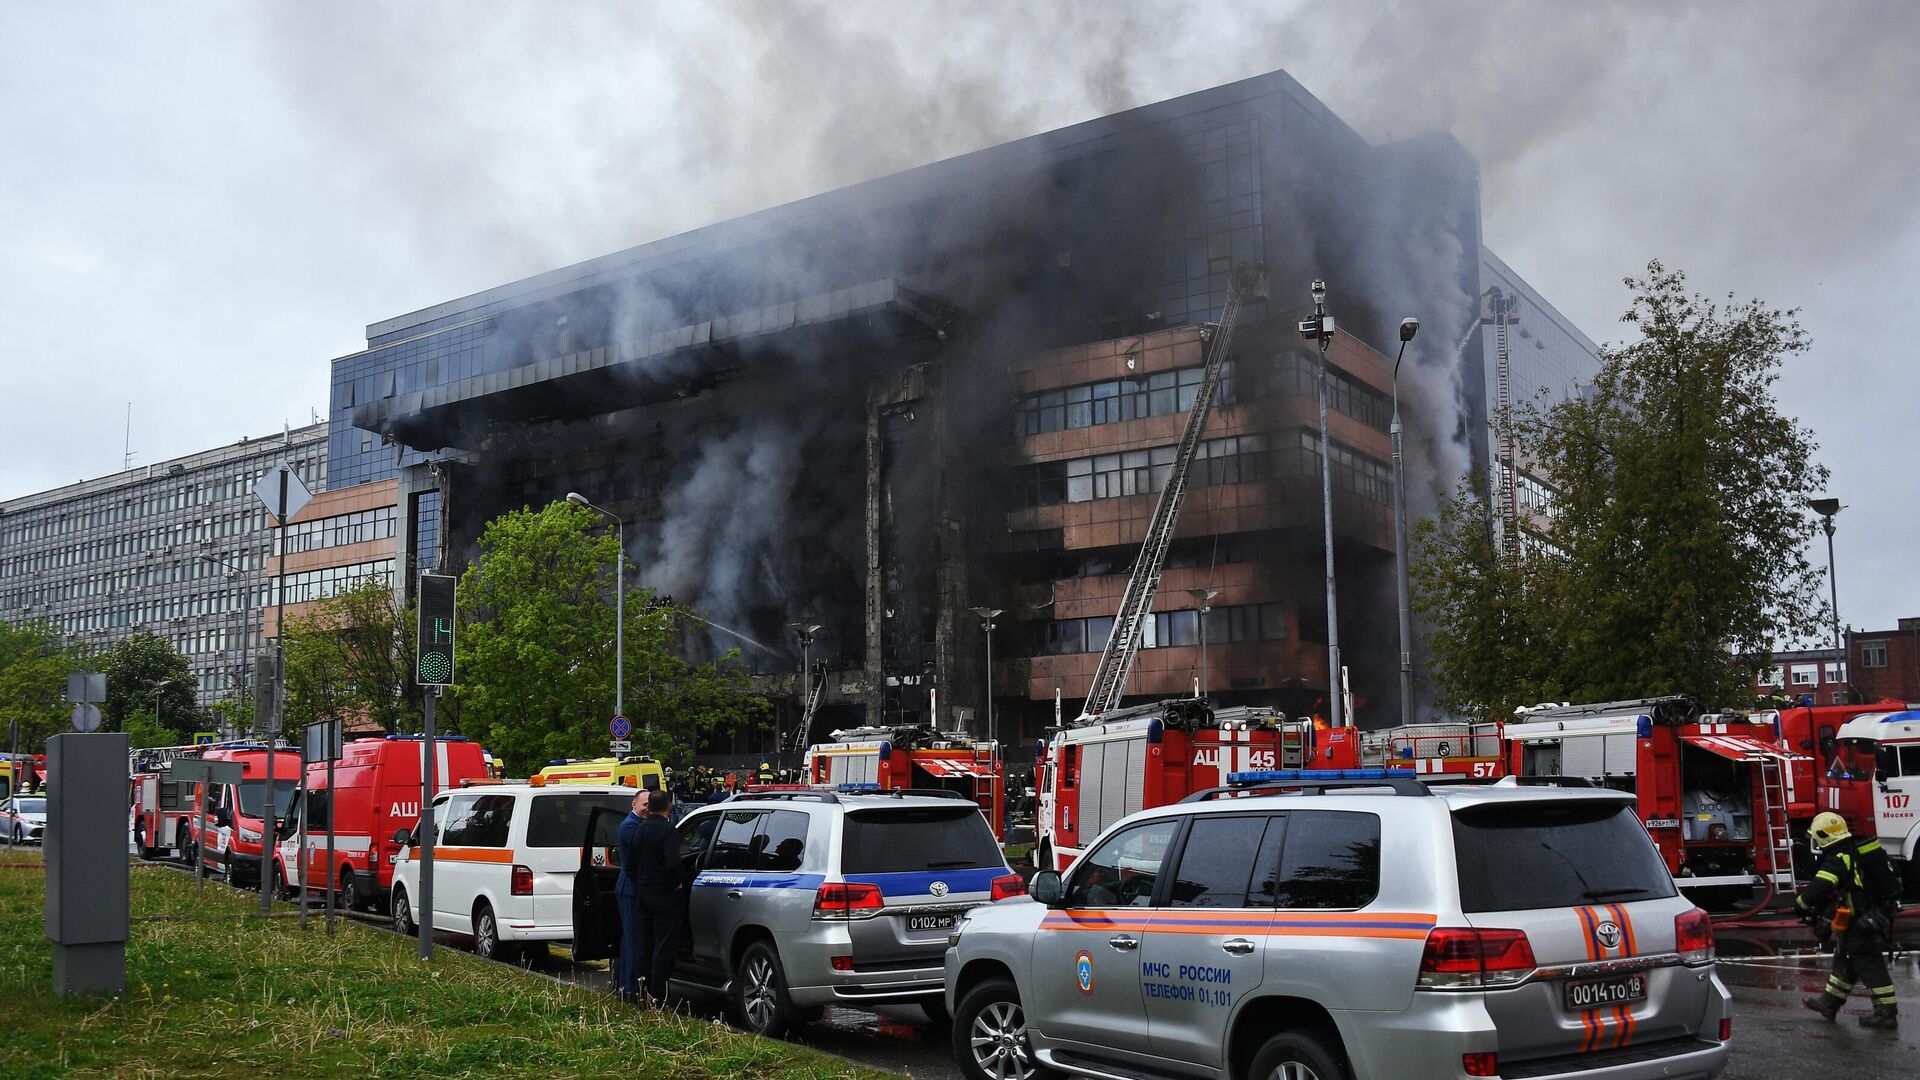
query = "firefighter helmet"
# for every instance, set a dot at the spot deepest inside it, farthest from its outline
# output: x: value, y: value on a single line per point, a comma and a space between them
x: 1828, y: 829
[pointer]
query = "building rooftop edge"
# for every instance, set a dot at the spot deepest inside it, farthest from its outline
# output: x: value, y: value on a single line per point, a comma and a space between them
x: 245, y: 447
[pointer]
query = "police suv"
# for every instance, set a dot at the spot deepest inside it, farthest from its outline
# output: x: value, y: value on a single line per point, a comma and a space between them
x: 807, y: 897
x: 1328, y: 925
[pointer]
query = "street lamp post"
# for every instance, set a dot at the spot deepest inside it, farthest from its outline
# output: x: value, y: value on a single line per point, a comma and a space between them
x: 1201, y: 605
x: 619, y: 606
x: 987, y: 615
x: 1408, y: 328
x: 157, y: 686
x: 1827, y: 508
x: 1320, y: 328
x: 806, y: 631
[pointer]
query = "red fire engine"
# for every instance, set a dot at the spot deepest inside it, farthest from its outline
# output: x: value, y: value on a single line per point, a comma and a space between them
x: 1435, y: 752
x: 1715, y: 790
x: 1093, y: 774
x: 893, y: 758
x: 236, y: 813
x: 375, y: 793
x: 161, y: 805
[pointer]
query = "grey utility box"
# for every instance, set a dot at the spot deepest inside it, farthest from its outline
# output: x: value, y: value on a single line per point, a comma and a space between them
x: 86, y: 856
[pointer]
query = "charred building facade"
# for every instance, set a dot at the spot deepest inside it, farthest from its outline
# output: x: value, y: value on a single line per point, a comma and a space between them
x: 959, y: 386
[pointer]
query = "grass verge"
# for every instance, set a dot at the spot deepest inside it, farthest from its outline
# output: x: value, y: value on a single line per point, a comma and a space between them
x: 215, y: 991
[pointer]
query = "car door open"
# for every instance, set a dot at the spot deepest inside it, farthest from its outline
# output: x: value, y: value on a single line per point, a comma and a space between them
x: 596, y: 911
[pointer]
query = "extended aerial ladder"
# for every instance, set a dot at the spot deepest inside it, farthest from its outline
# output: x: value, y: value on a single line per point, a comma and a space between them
x: 1123, y: 643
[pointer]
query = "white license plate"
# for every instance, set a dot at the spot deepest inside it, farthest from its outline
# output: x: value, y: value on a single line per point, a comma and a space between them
x: 1600, y: 993
x: 916, y: 923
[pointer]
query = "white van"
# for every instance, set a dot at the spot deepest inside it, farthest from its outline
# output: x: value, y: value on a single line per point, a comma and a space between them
x: 504, y: 859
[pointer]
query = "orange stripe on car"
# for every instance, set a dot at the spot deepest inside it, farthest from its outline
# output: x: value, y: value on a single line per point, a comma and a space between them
x: 473, y: 854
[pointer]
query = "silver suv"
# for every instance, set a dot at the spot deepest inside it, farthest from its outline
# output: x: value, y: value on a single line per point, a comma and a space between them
x: 1365, y: 926
x: 806, y: 898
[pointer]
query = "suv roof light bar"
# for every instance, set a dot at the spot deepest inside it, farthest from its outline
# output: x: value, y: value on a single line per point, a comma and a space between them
x: 1547, y: 781
x: 1313, y: 782
x: 773, y: 796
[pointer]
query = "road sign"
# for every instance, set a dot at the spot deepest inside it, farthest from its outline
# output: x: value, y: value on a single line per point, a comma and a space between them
x: 322, y: 741
x: 435, y: 632
x: 620, y: 727
x: 211, y: 772
x: 205, y: 738
x: 86, y: 717
x: 619, y: 746
x: 268, y: 491
x: 86, y: 686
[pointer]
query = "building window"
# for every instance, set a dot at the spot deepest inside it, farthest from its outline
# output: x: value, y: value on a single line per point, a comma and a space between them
x: 1834, y: 671
x: 1804, y: 674
x: 1839, y: 697
x: 1873, y: 654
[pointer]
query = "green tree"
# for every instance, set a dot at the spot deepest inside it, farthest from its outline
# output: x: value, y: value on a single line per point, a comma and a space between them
x: 35, y: 660
x: 144, y: 670
x: 1674, y: 558
x: 143, y: 730
x: 351, y: 655
x: 535, y: 663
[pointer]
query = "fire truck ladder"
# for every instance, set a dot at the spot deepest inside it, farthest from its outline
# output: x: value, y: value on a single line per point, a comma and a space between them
x: 1123, y: 643
x: 1773, y: 792
x: 806, y: 714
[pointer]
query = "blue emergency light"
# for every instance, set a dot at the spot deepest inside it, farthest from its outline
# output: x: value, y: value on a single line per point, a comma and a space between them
x: 436, y: 738
x: 856, y: 787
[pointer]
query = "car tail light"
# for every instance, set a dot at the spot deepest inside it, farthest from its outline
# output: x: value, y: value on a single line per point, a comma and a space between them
x: 846, y: 900
x: 522, y: 882
x: 1468, y: 958
x: 1726, y: 1028
x: 1009, y: 885
x: 1480, y: 1064
x: 843, y: 963
x: 1693, y: 937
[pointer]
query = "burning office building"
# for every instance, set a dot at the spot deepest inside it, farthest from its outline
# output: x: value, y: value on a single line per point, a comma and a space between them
x: 959, y: 387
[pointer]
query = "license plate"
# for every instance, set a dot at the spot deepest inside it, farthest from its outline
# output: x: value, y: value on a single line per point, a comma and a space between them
x: 1599, y: 993
x: 932, y: 922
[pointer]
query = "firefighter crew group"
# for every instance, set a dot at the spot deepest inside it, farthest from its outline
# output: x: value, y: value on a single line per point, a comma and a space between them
x: 1853, y: 897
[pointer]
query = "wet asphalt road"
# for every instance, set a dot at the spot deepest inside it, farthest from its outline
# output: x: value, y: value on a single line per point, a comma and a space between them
x: 1768, y: 970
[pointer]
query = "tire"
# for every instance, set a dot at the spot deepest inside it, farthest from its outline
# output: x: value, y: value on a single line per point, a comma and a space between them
x: 403, y: 923
x: 990, y: 1035
x: 1298, y: 1055
x: 486, y: 936
x: 351, y: 896
x: 281, y: 891
x: 936, y: 1010
x: 760, y: 1002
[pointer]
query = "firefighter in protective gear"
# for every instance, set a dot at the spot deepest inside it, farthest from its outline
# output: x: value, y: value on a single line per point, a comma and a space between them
x: 1855, y: 877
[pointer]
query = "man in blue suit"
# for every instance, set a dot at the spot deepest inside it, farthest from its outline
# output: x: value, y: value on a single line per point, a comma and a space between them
x: 651, y: 878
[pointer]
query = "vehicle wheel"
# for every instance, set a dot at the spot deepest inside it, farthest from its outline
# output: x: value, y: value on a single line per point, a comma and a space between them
x: 936, y: 1010
x: 403, y: 923
x: 278, y: 886
x: 760, y: 1003
x: 990, y: 1035
x: 1298, y: 1055
x: 486, y: 936
x: 350, y: 895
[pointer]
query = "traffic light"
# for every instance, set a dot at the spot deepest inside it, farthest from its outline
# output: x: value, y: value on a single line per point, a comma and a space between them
x: 435, y: 633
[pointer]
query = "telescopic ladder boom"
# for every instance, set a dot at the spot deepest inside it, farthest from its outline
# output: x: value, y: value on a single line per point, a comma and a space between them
x: 1123, y: 643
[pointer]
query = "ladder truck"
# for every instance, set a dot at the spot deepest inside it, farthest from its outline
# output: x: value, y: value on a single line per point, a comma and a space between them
x: 911, y: 757
x: 1110, y: 762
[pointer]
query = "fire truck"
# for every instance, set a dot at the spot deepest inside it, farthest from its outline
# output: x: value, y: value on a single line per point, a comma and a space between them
x: 1091, y: 775
x: 1436, y: 752
x: 910, y: 756
x: 1715, y: 789
x: 1875, y: 778
x: 160, y: 805
x: 375, y: 793
x: 633, y: 770
x: 236, y: 813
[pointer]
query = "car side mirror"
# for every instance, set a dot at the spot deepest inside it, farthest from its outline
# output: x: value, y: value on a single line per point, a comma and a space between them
x: 1047, y: 889
x: 403, y: 837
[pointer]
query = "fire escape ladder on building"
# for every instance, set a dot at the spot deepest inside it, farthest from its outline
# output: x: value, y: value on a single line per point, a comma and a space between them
x: 1773, y: 795
x: 1123, y: 643
x: 1507, y: 465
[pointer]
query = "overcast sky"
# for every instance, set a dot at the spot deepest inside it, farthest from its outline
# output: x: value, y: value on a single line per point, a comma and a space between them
x: 200, y: 205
